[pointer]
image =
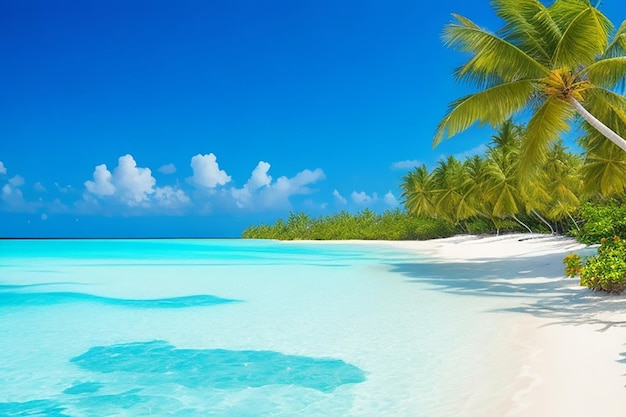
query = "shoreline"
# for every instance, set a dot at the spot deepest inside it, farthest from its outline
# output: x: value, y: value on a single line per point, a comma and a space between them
x: 568, y: 344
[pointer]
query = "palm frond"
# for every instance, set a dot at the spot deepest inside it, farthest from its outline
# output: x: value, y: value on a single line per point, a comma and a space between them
x: 585, y: 38
x: 477, y: 78
x: 617, y: 46
x: 563, y: 12
x: 492, y: 106
x: 608, y: 107
x: 528, y: 26
x: 544, y: 127
x: 604, y: 171
x: 607, y: 73
x: 491, y: 55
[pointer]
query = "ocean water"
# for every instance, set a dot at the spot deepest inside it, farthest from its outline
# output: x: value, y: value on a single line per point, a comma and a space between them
x: 237, y: 328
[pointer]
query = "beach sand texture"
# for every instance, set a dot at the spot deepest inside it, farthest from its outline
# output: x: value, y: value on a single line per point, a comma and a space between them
x: 570, y: 345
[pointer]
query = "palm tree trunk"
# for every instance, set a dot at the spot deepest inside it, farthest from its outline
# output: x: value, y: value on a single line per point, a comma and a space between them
x: 574, y: 221
x: 520, y: 222
x: 597, y: 124
x: 543, y: 220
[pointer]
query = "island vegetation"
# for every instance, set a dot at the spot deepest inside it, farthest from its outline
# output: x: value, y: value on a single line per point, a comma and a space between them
x: 554, y: 66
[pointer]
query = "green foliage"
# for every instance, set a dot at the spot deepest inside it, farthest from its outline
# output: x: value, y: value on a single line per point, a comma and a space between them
x: 573, y: 265
x: 365, y: 225
x: 607, y: 270
x: 545, y: 60
x: 600, y: 220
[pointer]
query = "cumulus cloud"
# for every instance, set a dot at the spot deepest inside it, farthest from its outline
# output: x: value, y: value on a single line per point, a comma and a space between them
x: 133, y: 183
x: 13, y: 199
x: 171, y: 198
x: 260, y: 192
x: 390, y: 199
x: 339, y: 198
x: 167, y: 169
x: 3, y: 169
x: 206, y: 172
x: 102, y: 182
x: 406, y: 164
x: 258, y: 179
x: 129, y: 183
x: 17, y: 181
x: 298, y: 184
x: 478, y: 150
x: 39, y: 187
x: 65, y: 189
x: 362, y: 197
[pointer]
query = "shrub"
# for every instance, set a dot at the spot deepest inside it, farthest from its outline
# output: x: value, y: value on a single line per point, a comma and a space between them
x: 573, y: 265
x: 607, y: 270
x: 600, y: 220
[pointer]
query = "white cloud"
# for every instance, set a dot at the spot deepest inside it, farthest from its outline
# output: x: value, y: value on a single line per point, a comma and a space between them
x: 390, y: 199
x: 3, y: 169
x: 102, y: 183
x: 258, y: 179
x: 298, y: 184
x: 14, y: 201
x: 478, y: 150
x: 17, y: 181
x: 206, y: 172
x: 39, y: 187
x: 67, y: 188
x: 406, y: 164
x: 260, y: 192
x: 133, y: 184
x: 128, y: 183
x: 341, y: 199
x: 171, y: 198
x: 167, y: 169
x: 363, y: 198
x: 44, y: 216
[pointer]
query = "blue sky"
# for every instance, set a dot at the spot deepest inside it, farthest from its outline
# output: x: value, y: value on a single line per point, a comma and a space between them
x: 199, y: 118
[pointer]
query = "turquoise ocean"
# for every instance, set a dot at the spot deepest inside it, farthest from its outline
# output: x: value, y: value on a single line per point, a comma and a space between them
x: 235, y: 328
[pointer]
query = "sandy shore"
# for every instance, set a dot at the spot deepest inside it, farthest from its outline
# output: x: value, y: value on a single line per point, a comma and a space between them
x: 568, y: 343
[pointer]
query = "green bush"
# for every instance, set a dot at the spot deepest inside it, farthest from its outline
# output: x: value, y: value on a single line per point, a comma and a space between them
x: 366, y: 225
x: 607, y: 270
x: 600, y: 220
x: 573, y: 265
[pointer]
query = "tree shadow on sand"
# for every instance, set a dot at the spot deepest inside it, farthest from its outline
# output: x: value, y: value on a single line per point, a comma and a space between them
x: 537, y: 282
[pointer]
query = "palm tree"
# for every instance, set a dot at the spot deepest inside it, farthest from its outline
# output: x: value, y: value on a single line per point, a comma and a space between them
x: 449, y: 202
x: 562, y: 181
x: 604, y: 169
x: 417, y: 192
x: 503, y: 194
x: 555, y: 61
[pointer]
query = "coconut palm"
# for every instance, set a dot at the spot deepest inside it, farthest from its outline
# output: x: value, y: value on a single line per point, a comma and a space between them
x: 562, y: 180
x: 604, y: 170
x: 448, y: 191
x: 555, y: 61
x: 417, y: 192
x: 503, y: 194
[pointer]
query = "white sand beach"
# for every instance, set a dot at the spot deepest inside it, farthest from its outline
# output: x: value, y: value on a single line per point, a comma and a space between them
x: 568, y: 345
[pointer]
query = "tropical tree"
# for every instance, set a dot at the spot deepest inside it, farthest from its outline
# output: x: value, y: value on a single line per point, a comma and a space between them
x: 449, y: 202
x: 502, y: 194
x: 560, y: 177
x: 417, y: 192
x: 555, y: 62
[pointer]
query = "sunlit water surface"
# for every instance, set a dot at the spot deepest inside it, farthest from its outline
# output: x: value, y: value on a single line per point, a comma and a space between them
x: 237, y: 328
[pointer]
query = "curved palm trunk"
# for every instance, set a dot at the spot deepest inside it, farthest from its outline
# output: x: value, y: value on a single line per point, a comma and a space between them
x: 544, y: 221
x: 521, y: 223
x: 597, y: 124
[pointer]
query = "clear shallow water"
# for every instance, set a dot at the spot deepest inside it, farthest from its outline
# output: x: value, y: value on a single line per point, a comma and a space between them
x: 235, y: 328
